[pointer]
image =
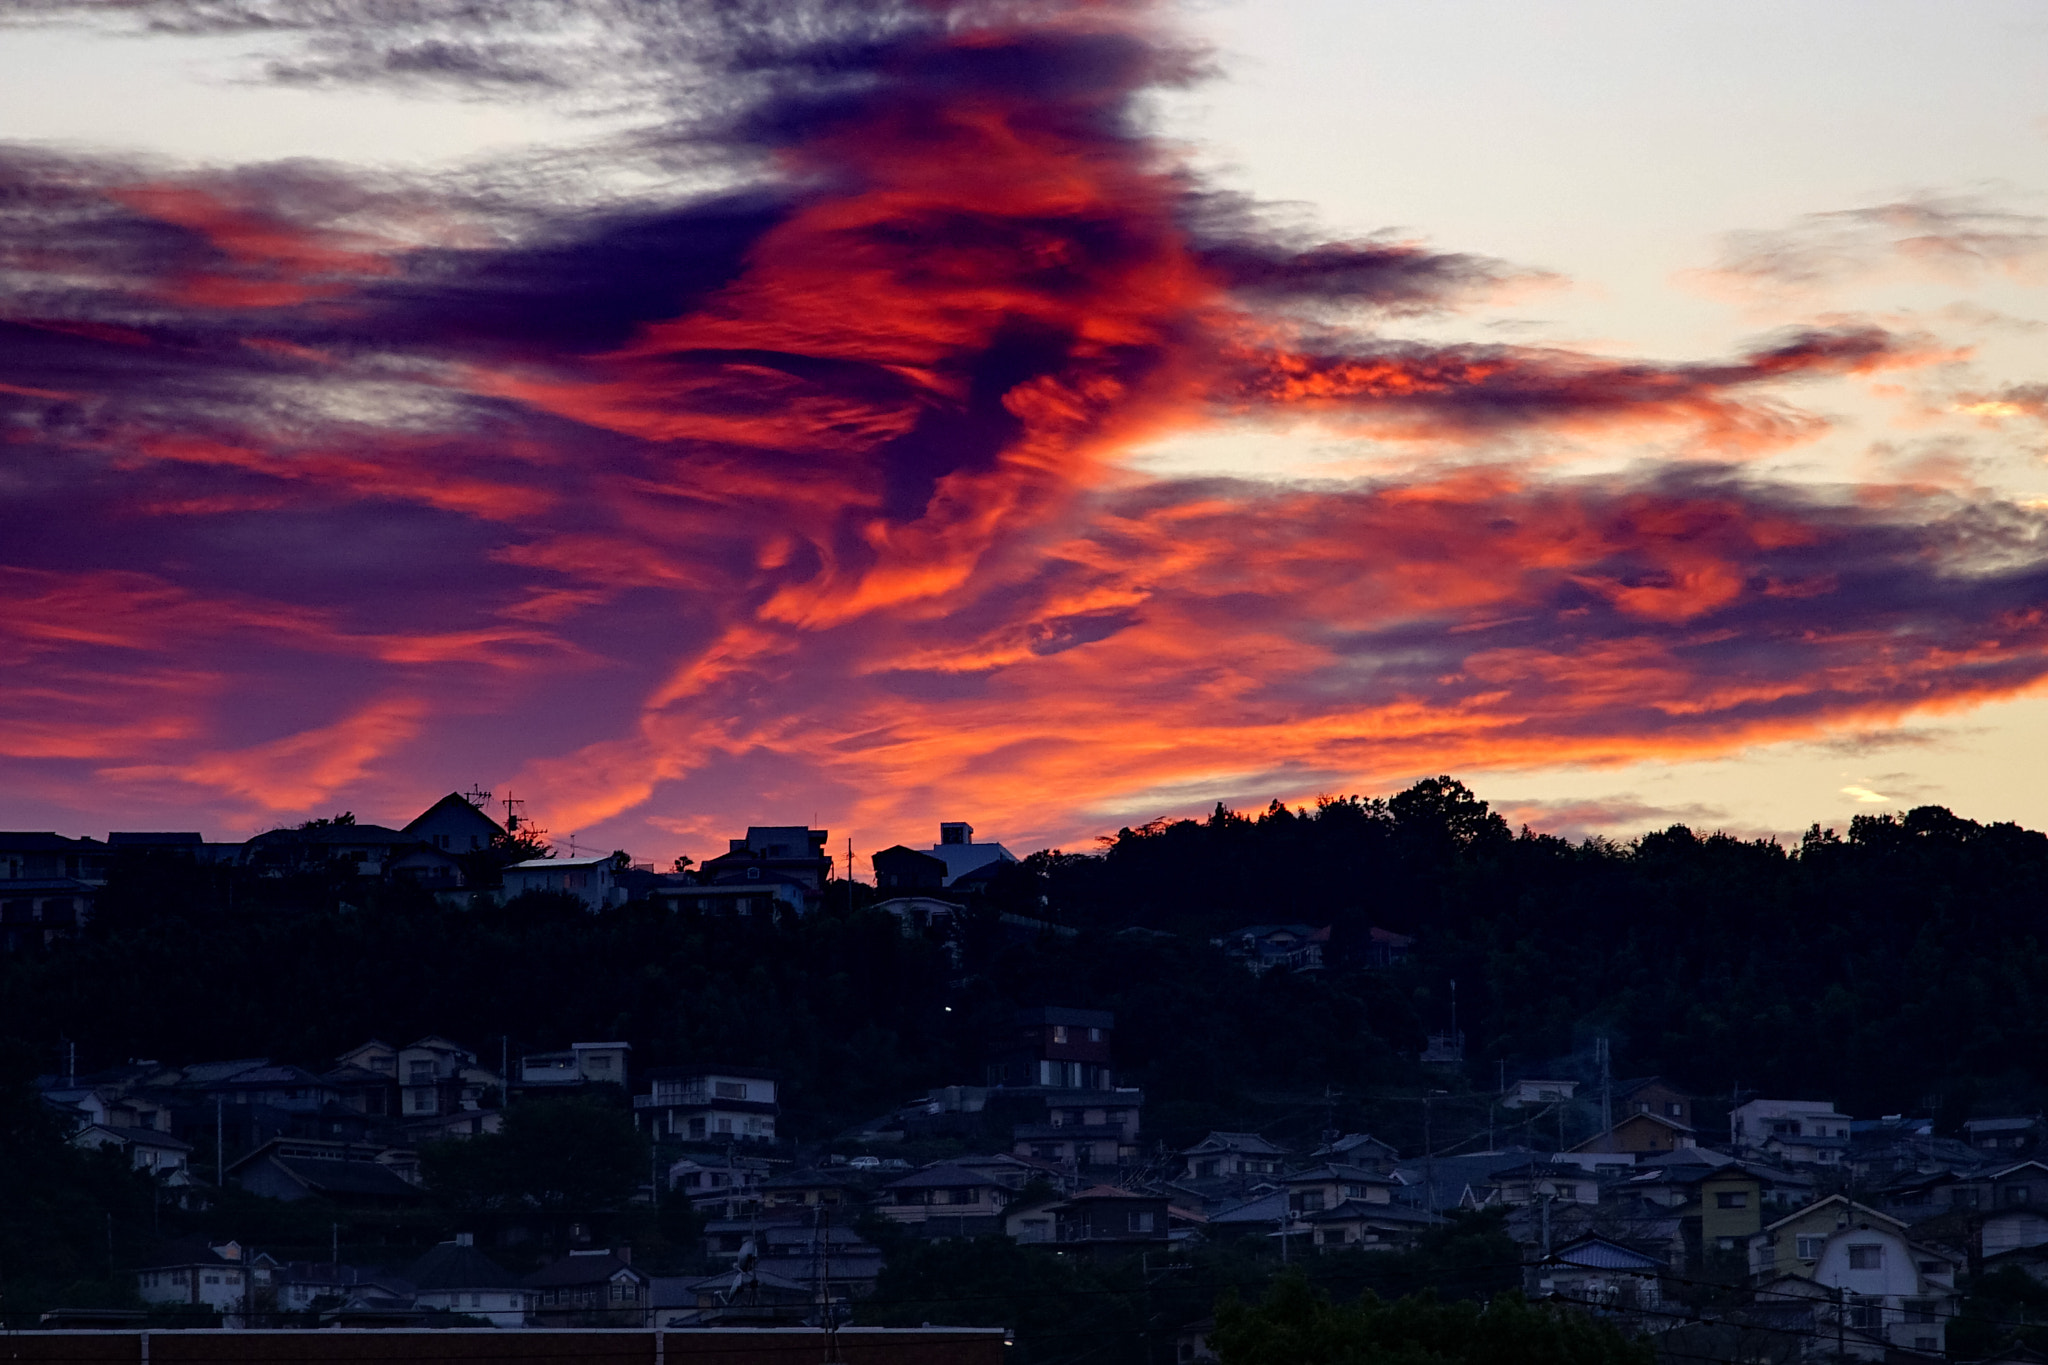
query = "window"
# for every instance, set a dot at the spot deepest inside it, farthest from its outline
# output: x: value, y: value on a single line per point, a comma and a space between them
x: 1094, y: 1035
x: 600, y: 1062
x: 1140, y: 1222
x: 1866, y: 1312
x: 1732, y: 1199
x: 1866, y: 1256
x: 1674, y: 1110
x: 1785, y: 1128
x: 732, y: 1090
x: 476, y: 1300
x: 1725, y: 1243
x: 1919, y: 1310
x: 2017, y: 1194
x: 1567, y: 1191
x: 1932, y: 1268
x: 1059, y: 1033
x: 1810, y: 1248
x: 419, y: 1073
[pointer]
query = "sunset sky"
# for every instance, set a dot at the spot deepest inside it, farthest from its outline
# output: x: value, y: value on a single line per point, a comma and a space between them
x: 1048, y: 415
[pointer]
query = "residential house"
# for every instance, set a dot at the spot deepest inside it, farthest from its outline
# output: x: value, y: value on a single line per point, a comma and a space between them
x: 329, y: 849
x: 900, y: 868
x: 1792, y: 1245
x: 1263, y: 947
x: 743, y: 898
x: 792, y: 853
x: 187, y: 844
x: 438, y: 1077
x: 355, y: 1175
x: 431, y: 870
x: 1384, y: 948
x: 158, y: 1153
x: 710, y: 1102
x: 1804, y: 1132
x: 593, y: 881
x: 590, y: 1289
x: 455, y: 1277
x: 1653, y: 1095
x: 48, y: 884
x: 1103, y: 1221
x: 2011, y: 1229
x: 1598, y: 1273
x: 1365, y: 1225
x: 1053, y: 1046
x: 1228, y: 1155
x: 723, y: 1187
x: 1358, y: 1149
x: 1901, y: 1291
x: 801, y: 1249
x: 1730, y: 1209
x: 1641, y: 1132
x: 754, y: 1299
x: 1327, y: 1186
x: 834, y: 1187
x: 213, y: 1275
x: 1533, y: 1091
x: 2003, y: 1136
x: 946, y: 1201
x: 963, y: 857
x: 456, y: 824
x: 582, y: 1066
x: 1538, y: 1180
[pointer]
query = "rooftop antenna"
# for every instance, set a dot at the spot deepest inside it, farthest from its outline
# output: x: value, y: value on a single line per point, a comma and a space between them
x: 477, y: 796
x: 571, y: 841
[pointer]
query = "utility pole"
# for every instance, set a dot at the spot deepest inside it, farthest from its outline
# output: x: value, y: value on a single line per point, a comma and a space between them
x: 1606, y: 1094
x: 220, y: 1163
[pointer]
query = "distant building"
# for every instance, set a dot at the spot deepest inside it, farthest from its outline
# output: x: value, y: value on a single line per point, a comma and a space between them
x: 583, y: 1064
x: 961, y: 855
x: 710, y: 1103
x: 48, y: 884
x: 454, y: 825
x: 900, y: 868
x: 590, y: 880
x: 590, y: 1289
x: 1263, y: 947
x: 201, y: 1274
x: 1056, y: 1046
x: 1537, y: 1091
x: 791, y: 854
x: 456, y: 1277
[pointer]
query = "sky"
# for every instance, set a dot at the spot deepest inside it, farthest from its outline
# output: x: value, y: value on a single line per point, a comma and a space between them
x: 1049, y: 415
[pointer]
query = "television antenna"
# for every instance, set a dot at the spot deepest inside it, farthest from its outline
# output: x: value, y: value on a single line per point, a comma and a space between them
x: 477, y: 796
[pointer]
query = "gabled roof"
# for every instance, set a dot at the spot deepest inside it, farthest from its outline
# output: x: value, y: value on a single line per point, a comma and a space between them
x: 1597, y: 1253
x: 2017, y: 1167
x: 452, y: 1265
x: 453, y: 800
x: 323, y: 1176
x: 943, y: 1177
x: 1108, y: 1192
x: 1248, y: 1144
x: 583, y: 1267
x: 1266, y: 1208
x: 1673, y: 1126
x: 46, y: 841
x: 1861, y: 1209
x: 1333, y: 1170
x: 1355, y: 1209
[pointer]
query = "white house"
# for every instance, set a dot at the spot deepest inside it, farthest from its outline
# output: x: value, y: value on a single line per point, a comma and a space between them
x: 1889, y: 1286
x: 590, y: 880
x: 582, y: 1064
x: 961, y: 855
x: 213, y: 1275
x: 1758, y: 1121
x: 1536, y: 1091
x: 148, y: 1150
x: 455, y: 1276
x: 712, y: 1103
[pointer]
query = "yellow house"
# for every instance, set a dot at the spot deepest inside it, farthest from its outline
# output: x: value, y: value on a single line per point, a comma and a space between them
x: 1731, y: 1210
x: 1793, y: 1245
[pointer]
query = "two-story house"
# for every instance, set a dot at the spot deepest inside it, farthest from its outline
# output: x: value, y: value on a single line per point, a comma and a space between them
x: 590, y: 1289
x: 455, y: 825
x: 212, y: 1275
x: 1641, y: 1132
x: 1106, y: 1223
x: 792, y: 855
x: 1881, y: 1283
x: 1804, y: 1132
x: 1231, y: 1155
x: 946, y: 1201
x: 581, y: 1066
x: 439, y: 1077
x: 455, y: 1277
x: 1327, y: 1186
x: 48, y: 884
x: 594, y: 881
x: 710, y: 1103
x: 1653, y: 1095
x: 1534, y: 1091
